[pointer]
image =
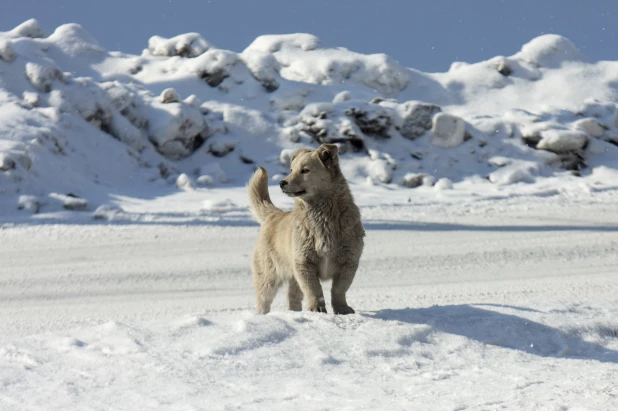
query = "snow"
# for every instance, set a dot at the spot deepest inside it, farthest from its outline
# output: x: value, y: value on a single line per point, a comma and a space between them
x: 551, y: 51
x: 460, y: 304
x: 174, y: 112
x: 487, y: 193
x: 185, y: 45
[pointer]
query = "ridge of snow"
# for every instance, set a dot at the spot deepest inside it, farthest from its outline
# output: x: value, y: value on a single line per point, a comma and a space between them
x: 71, y: 109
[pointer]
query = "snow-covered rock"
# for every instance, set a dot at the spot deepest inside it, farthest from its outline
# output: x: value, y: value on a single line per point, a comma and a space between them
x: 511, y: 174
x: 412, y: 180
x: 70, y: 201
x: 184, y: 45
x: 107, y: 212
x: 372, y: 121
x: 29, y: 203
x: 6, y: 162
x: 176, y: 129
x: 193, y: 101
x: 417, y: 118
x: 221, y: 148
x: 169, y: 95
x: 31, y: 98
x: 264, y: 67
x: 562, y: 141
x: 29, y: 28
x: 205, y: 181
x: 214, y: 66
x: 590, y: 126
x: 185, y: 182
x: 447, y: 130
x: 443, y: 184
x: 43, y: 76
x: 381, y: 170
x: 6, y: 50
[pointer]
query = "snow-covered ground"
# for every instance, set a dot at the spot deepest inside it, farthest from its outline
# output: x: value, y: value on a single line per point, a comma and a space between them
x: 488, y: 193
x: 493, y: 304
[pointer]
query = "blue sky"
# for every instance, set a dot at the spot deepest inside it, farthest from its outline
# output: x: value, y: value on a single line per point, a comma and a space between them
x: 426, y: 35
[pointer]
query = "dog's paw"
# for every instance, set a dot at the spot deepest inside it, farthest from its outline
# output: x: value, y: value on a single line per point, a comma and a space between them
x: 318, y: 309
x: 343, y: 309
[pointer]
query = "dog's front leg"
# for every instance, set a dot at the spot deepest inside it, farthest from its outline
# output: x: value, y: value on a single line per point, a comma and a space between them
x: 342, y: 280
x: 307, y: 275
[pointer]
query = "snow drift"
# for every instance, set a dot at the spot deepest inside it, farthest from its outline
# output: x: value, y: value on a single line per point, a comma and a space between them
x: 79, y: 121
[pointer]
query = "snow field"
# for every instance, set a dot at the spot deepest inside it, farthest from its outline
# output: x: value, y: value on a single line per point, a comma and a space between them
x: 487, y: 304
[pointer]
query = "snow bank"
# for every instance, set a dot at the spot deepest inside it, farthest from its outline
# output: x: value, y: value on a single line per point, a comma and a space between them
x: 77, y: 118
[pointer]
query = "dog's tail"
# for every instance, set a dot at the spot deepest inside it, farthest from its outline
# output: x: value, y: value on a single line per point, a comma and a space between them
x: 261, y: 206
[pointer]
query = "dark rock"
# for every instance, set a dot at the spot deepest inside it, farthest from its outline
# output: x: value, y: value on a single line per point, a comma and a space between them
x: 504, y: 69
x: 531, y: 140
x: 374, y: 123
x: 214, y: 79
x: 219, y: 149
x: 417, y: 119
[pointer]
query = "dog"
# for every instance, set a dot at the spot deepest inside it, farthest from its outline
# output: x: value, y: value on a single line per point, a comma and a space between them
x: 320, y: 239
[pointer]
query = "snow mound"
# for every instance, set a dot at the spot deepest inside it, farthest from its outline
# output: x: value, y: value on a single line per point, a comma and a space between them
x: 550, y: 51
x: 76, y: 118
x: 29, y: 28
x: 74, y: 41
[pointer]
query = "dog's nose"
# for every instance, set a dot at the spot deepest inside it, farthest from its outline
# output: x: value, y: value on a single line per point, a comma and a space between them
x: 283, y: 183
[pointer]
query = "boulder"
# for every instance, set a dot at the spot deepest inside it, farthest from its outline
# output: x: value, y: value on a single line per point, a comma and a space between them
x: 417, y: 118
x: 447, y: 130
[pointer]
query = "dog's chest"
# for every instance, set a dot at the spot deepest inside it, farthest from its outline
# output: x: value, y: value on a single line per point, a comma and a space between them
x: 325, y: 240
x: 325, y: 246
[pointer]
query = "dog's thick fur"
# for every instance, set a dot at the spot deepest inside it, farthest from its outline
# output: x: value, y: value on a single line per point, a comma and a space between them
x: 320, y: 239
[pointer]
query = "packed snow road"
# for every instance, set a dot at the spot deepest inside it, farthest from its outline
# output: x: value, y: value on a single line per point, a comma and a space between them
x: 479, y: 311
x: 59, y: 276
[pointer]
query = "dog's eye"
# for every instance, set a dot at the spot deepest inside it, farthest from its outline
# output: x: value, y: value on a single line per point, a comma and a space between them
x: 304, y: 171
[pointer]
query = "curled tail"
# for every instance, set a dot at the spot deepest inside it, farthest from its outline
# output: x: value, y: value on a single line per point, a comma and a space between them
x: 261, y: 206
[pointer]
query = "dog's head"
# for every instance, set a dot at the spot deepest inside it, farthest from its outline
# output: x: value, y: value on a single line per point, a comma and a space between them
x: 311, y: 171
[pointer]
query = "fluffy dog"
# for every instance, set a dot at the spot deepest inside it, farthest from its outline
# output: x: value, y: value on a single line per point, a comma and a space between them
x: 320, y: 239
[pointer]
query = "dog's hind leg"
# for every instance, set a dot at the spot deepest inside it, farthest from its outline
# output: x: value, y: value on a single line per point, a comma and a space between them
x: 265, y: 294
x: 295, y: 296
x: 341, y: 283
x: 266, y: 288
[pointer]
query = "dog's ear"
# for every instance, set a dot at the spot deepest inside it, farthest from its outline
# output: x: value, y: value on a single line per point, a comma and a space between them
x: 328, y: 154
